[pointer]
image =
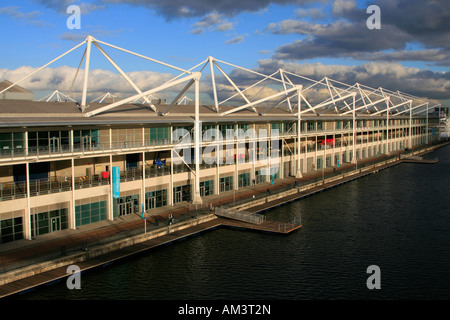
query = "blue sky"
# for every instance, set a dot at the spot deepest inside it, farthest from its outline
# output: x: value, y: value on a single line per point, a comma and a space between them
x: 319, y: 38
x: 44, y: 32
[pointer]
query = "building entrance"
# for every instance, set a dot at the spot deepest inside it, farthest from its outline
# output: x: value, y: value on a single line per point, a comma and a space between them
x: 55, y: 224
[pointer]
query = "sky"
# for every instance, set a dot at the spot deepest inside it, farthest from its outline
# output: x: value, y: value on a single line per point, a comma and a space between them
x: 410, y: 52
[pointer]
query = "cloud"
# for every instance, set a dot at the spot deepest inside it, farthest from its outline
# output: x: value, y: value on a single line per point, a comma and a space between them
x: 343, y: 7
x: 235, y: 40
x: 100, y: 81
x: 426, y: 21
x: 336, y: 39
x: 214, y: 22
x: 389, y: 75
x: 95, y: 31
x: 27, y: 17
x: 437, y: 56
x: 61, y: 5
x: 426, y: 24
x: 198, y: 8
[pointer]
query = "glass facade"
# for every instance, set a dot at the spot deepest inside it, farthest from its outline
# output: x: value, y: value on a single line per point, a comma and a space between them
x: 90, y: 213
x: 206, y: 188
x: 182, y: 193
x: 49, y: 221
x: 226, y: 183
x: 179, y: 132
x: 12, y: 141
x: 155, y: 199
x: 227, y: 130
x: 86, y: 139
x: 11, y: 230
x: 244, y: 179
x: 126, y: 205
x: 259, y: 177
x: 158, y: 135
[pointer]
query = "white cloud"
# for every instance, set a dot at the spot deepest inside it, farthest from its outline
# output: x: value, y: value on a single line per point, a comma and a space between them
x: 100, y: 81
x: 213, y: 22
x: 340, y: 7
x: 235, y: 40
x: 27, y: 17
x: 389, y: 75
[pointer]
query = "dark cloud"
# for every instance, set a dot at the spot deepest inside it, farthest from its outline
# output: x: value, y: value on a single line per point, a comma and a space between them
x: 212, y: 21
x: 337, y: 39
x: 428, y: 21
x: 392, y: 76
x: 403, y: 22
x: 437, y: 56
x: 197, y: 8
x: 61, y: 5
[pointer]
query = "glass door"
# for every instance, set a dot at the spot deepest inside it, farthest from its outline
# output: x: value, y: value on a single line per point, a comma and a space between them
x: 86, y: 142
x: 55, y: 224
x: 178, y: 196
x: 54, y: 145
x: 150, y: 203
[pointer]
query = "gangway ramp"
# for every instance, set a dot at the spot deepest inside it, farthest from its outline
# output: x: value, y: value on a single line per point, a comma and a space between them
x: 240, y: 215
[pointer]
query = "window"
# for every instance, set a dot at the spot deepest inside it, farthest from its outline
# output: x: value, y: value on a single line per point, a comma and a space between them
x: 90, y: 212
x: 289, y: 128
x: 49, y: 221
x: 277, y: 126
x: 159, y: 135
x: 12, y: 142
x: 227, y: 131
x: 182, y: 193
x: 206, y: 188
x: 209, y: 132
x: 155, y: 199
x: 244, y: 179
x: 226, y: 184
x: 11, y: 230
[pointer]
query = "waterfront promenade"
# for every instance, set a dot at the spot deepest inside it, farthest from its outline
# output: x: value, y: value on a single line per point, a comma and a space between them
x: 24, y: 254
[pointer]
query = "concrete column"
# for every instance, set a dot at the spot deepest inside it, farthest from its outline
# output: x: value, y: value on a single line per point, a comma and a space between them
x: 298, y: 174
x: 315, y: 152
x: 110, y: 211
x: 281, y: 158
x: 219, y: 154
x: 27, y: 214
x: 72, y: 220
x: 71, y: 140
x: 26, y: 142
x: 197, y: 148
x: 354, y: 132
x: 253, y: 157
x: 170, y: 191
x: 268, y: 153
x: 426, y: 130
x: 236, y: 160
x: 388, y: 149
x: 143, y: 178
x: 110, y: 139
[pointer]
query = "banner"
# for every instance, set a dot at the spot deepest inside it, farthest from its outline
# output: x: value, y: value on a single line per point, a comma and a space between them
x: 116, y: 182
